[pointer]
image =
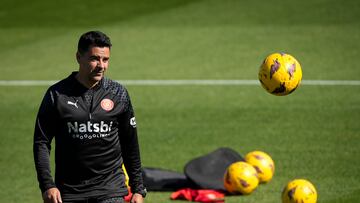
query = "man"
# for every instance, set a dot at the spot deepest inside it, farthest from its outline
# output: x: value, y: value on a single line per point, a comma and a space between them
x: 92, y: 120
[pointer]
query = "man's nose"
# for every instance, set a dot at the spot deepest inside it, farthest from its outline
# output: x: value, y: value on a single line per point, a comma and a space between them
x: 101, y: 64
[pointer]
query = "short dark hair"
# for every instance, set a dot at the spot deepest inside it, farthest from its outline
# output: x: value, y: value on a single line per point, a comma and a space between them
x: 93, y: 38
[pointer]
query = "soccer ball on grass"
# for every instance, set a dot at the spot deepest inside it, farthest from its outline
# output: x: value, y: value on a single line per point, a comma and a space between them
x: 240, y: 178
x: 263, y: 164
x: 299, y: 190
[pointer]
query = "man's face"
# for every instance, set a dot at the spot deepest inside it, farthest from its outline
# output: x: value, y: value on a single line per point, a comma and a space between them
x: 93, y: 63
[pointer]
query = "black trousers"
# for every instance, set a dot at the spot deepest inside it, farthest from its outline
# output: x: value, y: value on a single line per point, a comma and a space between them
x: 95, y: 200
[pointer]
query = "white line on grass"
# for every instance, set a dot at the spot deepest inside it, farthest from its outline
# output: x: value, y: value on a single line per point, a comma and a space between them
x: 182, y: 82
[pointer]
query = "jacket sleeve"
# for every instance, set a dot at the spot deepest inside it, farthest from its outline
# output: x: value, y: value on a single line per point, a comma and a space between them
x: 44, y: 132
x: 130, y: 148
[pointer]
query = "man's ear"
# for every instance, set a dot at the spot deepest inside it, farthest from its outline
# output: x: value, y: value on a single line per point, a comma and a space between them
x: 78, y: 55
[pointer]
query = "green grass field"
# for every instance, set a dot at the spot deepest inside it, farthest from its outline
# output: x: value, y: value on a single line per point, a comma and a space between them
x: 313, y: 133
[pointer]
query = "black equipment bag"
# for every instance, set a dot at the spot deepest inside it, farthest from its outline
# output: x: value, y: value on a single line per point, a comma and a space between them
x: 204, y: 172
x: 207, y: 171
x: 156, y: 179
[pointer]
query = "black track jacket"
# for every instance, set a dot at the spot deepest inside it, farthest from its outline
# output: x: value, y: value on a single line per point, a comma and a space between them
x: 95, y: 132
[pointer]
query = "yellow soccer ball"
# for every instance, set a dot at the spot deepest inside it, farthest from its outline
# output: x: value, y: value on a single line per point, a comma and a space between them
x: 299, y: 190
x: 263, y: 164
x: 280, y: 74
x: 240, y: 178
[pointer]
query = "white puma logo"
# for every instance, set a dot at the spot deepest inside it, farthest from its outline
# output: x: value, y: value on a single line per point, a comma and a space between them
x: 74, y: 104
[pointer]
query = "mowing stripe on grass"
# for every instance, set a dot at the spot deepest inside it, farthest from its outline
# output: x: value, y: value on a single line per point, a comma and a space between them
x: 182, y: 82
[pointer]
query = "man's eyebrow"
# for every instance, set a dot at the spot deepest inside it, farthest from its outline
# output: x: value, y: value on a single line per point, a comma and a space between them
x: 98, y: 56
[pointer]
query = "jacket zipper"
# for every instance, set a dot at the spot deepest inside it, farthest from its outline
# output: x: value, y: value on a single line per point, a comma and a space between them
x: 91, y: 103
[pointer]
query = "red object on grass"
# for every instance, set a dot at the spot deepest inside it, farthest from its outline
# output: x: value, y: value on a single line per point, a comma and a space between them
x: 201, y: 195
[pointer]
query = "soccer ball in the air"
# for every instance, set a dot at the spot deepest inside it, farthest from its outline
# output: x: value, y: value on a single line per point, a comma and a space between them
x: 240, y: 178
x: 299, y: 190
x: 280, y: 74
x: 263, y: 164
